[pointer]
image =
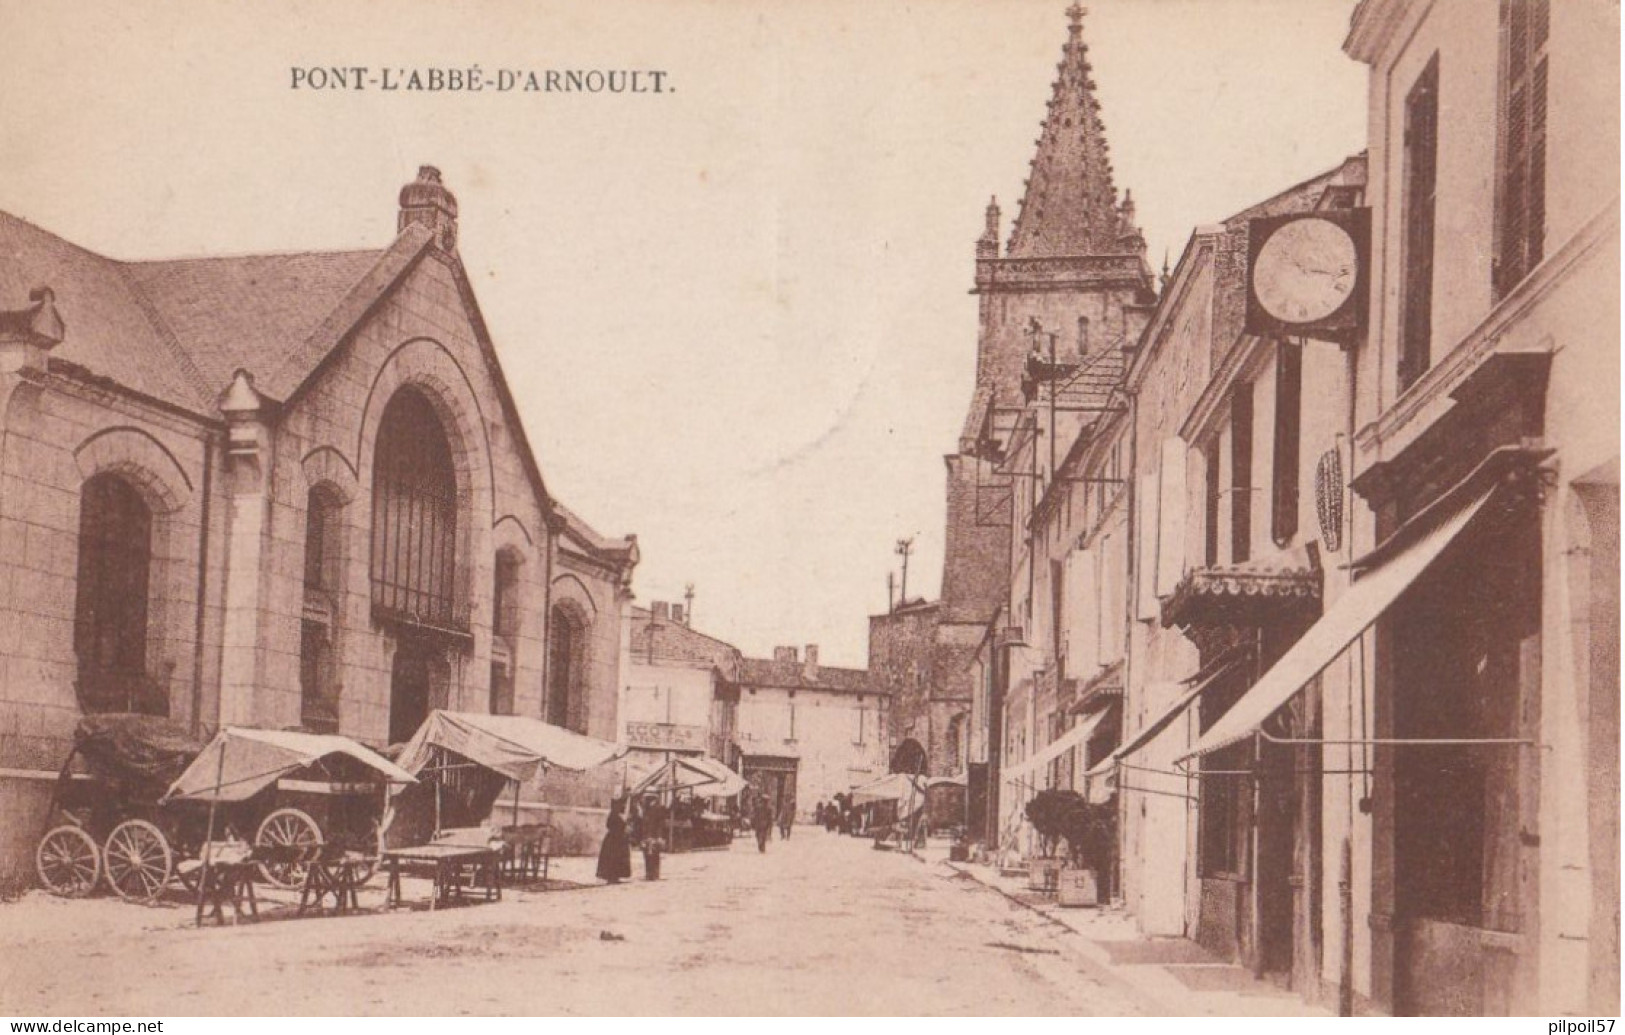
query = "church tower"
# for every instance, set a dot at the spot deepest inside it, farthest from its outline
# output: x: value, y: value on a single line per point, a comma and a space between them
x: 1074, y: 267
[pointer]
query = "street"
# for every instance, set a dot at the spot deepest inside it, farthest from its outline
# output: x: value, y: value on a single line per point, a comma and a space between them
x: 820, y: 924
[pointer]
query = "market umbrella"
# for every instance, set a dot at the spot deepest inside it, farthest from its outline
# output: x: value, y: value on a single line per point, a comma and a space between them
x: 705, y: 776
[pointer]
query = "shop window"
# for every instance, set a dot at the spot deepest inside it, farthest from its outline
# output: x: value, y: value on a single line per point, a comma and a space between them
x: 110, y: 609
x: 1420, y: 190
x: 1520, y: 197
x: 1462, y: 639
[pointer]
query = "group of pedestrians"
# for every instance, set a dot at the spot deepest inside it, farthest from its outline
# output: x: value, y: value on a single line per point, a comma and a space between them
x: 646, y: 827
x: 838, y: 816
x: 763, y: 818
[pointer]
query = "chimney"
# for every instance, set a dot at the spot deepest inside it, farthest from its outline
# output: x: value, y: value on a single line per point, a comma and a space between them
x: 786, y: 655
x: 660, y: 610
x: 427, y: 202
x: 809, y: 665
x: 677, y: 614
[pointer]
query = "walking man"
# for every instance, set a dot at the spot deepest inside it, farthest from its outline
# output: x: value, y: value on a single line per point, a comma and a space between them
x: 787, y: 817
x: 762, y: 821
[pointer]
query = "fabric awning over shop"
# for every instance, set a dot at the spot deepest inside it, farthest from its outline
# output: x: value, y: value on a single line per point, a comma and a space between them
x: 1077, y: 736
x: 1189, y: 696
x: 1350, y: 615
x: 239, y: 763
x: 513, y: 745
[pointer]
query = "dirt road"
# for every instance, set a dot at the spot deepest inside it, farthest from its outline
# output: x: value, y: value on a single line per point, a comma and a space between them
x: 821, y: 924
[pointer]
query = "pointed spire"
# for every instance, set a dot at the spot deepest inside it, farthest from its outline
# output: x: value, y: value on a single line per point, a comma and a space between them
x: 1070, y: 206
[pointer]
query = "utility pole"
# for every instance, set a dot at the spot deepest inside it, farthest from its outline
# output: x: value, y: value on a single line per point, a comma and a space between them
x: 904, y: 548
x: 891, y: 591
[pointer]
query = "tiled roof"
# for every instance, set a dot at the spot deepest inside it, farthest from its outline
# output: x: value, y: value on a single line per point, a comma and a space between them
x: 247, y: 312
x: 793, y: 675
x: 176, y: 330
x: 1241, y: 595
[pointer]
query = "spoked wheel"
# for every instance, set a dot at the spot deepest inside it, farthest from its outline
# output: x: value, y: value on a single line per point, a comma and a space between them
x: 286, y: 829
x: 68, y: 861
x: 138, y: 860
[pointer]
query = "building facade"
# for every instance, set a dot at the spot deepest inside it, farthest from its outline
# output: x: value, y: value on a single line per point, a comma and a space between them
x: 806, y: 731
x: 680, y: 689
x: 279, y: 491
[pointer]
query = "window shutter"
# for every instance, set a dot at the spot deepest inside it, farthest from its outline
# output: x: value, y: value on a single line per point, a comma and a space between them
x: 1145, y: 563
x: 1171, y: 518
x: 1111, y: 598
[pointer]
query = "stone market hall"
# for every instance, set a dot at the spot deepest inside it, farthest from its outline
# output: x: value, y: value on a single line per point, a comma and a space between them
x: 280, y: 491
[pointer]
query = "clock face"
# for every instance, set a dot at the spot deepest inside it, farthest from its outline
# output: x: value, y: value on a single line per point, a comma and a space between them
x: 1305, y: 271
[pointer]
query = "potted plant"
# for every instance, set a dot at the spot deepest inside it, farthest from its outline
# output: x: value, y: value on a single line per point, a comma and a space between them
x: 1046, y: 813
x: 1088, y: 830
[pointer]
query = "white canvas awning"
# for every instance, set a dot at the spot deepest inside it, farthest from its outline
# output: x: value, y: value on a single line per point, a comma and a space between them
x: 898, y: 787
x: 1349, y: 616
x: 239, y: 763
x: 513, y: 745
x: 1188, y: 693
x: 1077, y: 736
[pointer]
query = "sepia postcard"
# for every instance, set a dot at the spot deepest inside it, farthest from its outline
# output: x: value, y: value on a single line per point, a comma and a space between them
x: 735, y: 508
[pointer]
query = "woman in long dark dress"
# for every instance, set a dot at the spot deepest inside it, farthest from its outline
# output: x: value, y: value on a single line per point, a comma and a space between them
x: 615, y: 854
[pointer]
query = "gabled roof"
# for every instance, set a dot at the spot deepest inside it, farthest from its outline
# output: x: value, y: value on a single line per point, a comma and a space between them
x: 793, y: 675
x: 586, y: 538
x: 176, y: 330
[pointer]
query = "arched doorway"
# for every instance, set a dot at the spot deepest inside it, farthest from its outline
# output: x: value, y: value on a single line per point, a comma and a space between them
x: 414, y: 555
x: 908, y: 758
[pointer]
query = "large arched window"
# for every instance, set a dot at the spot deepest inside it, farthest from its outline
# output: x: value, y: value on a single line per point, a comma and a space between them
x: 565, y: 647
x: 414, y: 517
x: 110, y: 612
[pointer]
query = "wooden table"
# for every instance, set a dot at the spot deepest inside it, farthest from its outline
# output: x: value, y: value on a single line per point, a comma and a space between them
x: 448, y: 864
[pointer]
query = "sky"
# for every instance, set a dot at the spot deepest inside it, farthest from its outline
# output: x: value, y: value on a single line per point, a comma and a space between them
x: 735, y: 314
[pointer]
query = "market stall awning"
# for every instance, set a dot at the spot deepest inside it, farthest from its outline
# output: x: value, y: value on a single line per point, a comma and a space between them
x: 1349, y: 616
x: 1075, y: 737
x: 513, y: 745
x: 706, y: 777
x: 892, y: 787
x: 239, y: 763
x: 957, y: 780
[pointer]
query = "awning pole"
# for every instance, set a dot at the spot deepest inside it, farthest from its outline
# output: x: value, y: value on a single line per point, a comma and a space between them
x: 208, y: 839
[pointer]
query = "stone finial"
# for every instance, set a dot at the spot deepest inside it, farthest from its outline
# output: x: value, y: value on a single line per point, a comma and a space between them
x: 427, y: 202
x: 241, y: 401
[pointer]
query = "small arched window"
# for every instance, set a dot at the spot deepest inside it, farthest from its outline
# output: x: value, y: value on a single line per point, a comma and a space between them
x: 110, y: 610
x: 414, y: 517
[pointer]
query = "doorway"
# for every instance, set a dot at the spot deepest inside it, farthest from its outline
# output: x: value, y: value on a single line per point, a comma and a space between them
x: 418, y: 681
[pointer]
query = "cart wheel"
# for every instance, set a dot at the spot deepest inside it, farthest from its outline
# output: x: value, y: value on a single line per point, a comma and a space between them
x: 138, y: 860
x: 68, y: 862
x: 364, y: 871
x: 286, y: 828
